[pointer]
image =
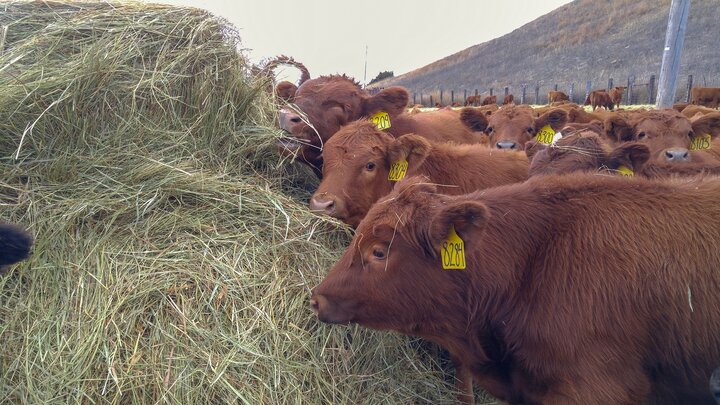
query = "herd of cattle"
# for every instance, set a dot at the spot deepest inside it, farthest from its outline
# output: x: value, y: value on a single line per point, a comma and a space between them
x: 560, y: 256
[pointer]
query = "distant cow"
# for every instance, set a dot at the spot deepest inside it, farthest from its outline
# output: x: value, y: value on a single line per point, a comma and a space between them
x: 489, y: 100
x: 321, y: 106
x: 509, y: 99
x: 616, y: 94
x: 473, y: 100
x: 707, y: 96
x: 511, y: 126
x: 359, y: 159
x: 15, y: 245
x: 578, y: 289
x: 554, y: 96
x: 439, y: 105
x: 599, y: 98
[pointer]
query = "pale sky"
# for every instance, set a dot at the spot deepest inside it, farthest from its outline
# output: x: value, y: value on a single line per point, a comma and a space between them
x: 330, y: 36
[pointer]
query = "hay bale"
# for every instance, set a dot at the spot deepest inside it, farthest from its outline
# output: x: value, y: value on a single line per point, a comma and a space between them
x: 174, y: 252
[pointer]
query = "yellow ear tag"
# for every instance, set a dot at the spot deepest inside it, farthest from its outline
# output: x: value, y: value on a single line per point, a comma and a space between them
x: 625, y: 171
x: 398, y: 170
x: 381, y: 120
x: 452, y: 251
x: 700, y: 142
x: 545, y: 135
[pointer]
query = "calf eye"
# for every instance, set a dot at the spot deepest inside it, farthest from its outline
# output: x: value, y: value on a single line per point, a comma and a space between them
x: 641, y: 135
x: 489, y: 129
x: 370, y: 166
x: 379, y: 254
x: 530, y: 130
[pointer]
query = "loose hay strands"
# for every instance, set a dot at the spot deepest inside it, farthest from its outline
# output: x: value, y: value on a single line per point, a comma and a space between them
x: 174, y: 252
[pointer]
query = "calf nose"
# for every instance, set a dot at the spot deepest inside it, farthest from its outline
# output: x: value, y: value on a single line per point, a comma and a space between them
x: 677, y: 155
x: 327, y: 207
x: 314, y: 305
x: 288, y: 119
x: 506, y: 145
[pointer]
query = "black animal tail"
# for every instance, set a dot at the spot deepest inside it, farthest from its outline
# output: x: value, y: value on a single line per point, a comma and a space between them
x: 15, y: 244
x: 715, y: 385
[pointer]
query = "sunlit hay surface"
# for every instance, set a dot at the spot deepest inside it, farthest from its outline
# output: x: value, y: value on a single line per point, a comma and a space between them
x: 174, y: 252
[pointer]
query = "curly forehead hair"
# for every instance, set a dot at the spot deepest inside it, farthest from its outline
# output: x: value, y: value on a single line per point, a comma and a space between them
x: 360, y: 132
x: 512, y: 111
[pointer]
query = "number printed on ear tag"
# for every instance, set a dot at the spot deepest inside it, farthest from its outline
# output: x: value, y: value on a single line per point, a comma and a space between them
x: 700, y: 142
x: 452, y: 251
x: 545, y: 135
x: 398, y: 170
x: 381, y: 120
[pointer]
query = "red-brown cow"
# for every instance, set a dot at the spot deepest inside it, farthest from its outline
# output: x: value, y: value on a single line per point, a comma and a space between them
x: 579, y: 289
x: 668, y: 134
x: 599, y: 98
x: 473, y: 100
x: 359, y: 159
x: 489, y: 100
x: 511, y: 126
x: 707, y: 96
x: 554, y: 96
x: 616, y: 94
x: 587, y: 151
x: 15, y: 245
x: 323, y: 105
x: 509, y: 99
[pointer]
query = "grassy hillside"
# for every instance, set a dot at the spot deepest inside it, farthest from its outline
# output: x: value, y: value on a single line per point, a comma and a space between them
x: 584, y: 40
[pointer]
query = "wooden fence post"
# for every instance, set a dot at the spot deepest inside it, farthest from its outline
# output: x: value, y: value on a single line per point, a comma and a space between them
x: 651, y: 89
x: 572, y: 92
x: 464, y: 96
x: 476, y: 92
x: 431, y: 101
x: 507, y: 90
x: 522, y: 96
x: 537, y: 94
x: 689, y: 88
x: 441, y: 96
x: 610, y: 83
x: 452, y: 97
x: 555, y: 86
x: 491, y: 91
x: 414, y: 98
x: 630, y: 83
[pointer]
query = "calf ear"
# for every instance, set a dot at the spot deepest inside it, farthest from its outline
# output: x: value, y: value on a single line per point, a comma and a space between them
x: 532, y: 147
x: 632, y: 155
x: 412, y: 148
x: 392, y: 100
x: 556, y: 118
x: 618, y: 129
x: 286, y: 91
x: 706, y: 124
x: 467, y: 217
x: 474, y: 118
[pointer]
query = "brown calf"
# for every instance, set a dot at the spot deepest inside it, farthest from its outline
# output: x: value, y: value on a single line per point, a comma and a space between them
x: 578, y: 289
x: 511, y: 126
x: 668, y: 134
x: 489, y: 100
x: 707, y: 96
x: 509, y: 99
x: 616, y: 94
x: 554, y: 96
x: 599, y: 98
x: 322, y: 105
x: 587, y: 151
x: 473, y: 100
x: 359, y: 158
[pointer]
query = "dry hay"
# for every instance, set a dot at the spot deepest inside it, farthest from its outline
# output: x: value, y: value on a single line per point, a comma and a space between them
x: 174, y: 251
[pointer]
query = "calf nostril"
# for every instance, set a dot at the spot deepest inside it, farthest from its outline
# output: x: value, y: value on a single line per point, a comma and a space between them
x: 669, y: 155
x: 314, y: 304
x: 685, y: 155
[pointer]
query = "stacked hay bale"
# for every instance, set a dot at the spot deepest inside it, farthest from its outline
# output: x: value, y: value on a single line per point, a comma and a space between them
x: 174, y: 252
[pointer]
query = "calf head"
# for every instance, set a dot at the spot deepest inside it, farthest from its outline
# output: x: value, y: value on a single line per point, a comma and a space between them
x: 512, y: 126
x: 585, y: 151
x: 391, y: 276
x: 321, y: 106
x: 668, y: 134
x: 356, y: 173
